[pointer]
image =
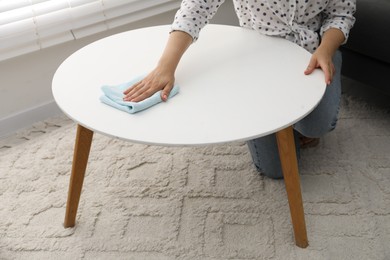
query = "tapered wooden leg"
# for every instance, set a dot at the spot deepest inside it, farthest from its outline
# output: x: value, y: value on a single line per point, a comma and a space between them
x: 80, y: 160
x: 289, y: 164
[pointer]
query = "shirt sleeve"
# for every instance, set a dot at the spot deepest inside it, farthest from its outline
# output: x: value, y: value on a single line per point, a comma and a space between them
x: 339, y: 14
x: 193, y: 15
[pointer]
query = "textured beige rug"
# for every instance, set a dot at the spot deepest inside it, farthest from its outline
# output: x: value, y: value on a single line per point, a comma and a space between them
x: 147, y: 202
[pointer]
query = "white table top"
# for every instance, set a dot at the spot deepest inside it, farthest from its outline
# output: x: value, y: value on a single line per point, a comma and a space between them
x: 235, y: 85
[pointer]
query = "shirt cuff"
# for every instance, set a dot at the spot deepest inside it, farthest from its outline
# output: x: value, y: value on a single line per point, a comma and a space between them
x: 342, y: 25
x: 187, y: 28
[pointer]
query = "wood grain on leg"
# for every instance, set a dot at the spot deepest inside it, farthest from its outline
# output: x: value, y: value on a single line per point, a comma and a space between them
x: 289, y: 164
x: 80, y: 160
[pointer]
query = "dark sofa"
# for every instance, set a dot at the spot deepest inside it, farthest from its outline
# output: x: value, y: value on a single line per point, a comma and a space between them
x: 366, y: 56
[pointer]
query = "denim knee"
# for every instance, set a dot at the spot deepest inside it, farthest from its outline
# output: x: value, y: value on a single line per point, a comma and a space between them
x: 265, y: 155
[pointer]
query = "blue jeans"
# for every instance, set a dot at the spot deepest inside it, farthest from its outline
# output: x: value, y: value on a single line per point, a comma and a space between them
x: 321, y: 120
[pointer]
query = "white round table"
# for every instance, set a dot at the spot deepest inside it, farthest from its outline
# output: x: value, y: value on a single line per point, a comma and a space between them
x: 235, y: 85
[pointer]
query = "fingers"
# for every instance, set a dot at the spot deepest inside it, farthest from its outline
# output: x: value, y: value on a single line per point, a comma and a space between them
x: 134, y: 91
x: 127, y: 91
x: 165, y: 92
x: 326, y: 66
x: 147, y: 87
x: 139, y: 92
x: 329, y: 71
x: 312, y: 66
x: 333, y: 71
x: 139, y: 96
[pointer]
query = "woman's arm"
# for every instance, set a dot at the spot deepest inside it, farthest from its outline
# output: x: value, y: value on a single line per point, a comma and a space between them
x: 338, y: 21
x: 163, y: 76
x: 189, y: 20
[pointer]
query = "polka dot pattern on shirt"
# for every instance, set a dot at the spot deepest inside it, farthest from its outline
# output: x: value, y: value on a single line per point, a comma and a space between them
x: 300, y: 21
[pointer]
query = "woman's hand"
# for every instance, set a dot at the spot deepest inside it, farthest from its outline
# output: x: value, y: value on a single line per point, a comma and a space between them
x: 162, y: 77
x: 158, y: 79
x: 322, y: 58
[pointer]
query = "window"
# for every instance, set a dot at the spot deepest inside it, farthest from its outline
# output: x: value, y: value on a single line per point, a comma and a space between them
x: 30, y: 25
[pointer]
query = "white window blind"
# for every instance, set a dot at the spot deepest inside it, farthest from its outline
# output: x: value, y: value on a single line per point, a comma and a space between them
x: 30, y: 25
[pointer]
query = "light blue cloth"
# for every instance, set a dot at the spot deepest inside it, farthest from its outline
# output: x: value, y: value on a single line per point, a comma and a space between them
x: 113, y: 96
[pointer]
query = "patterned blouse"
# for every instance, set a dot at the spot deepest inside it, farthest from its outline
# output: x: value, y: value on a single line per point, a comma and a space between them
x: 300, y: 21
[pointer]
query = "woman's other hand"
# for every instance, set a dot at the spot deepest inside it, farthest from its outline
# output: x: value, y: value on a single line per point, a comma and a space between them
x: 322, y: 57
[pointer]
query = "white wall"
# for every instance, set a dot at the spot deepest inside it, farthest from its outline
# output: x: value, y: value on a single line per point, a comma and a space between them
x: 25, y: 88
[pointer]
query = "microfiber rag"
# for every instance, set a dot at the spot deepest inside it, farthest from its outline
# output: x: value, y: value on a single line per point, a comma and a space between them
x: 113, y: 96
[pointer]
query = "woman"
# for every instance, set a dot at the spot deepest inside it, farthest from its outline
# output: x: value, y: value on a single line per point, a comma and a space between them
x: 319, y: 26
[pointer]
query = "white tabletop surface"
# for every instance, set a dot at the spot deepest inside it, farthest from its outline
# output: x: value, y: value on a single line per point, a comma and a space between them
x: 235, y: 85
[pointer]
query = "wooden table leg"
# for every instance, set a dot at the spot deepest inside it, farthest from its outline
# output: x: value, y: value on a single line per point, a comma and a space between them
x: 289, y: 164
x: 80, y: 160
